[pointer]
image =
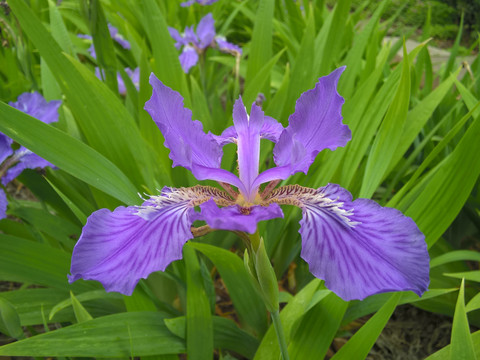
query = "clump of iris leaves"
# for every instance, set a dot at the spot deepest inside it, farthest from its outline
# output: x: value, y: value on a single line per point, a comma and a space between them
x: 415, y: 129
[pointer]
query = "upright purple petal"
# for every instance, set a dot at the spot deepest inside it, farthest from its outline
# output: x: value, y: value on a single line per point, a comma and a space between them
x: 315, y: 125
x: 189, y: 146
x: 190, y: 36
x: 119, y: 248
x: 5, y: 147
x: 118, y: 38
x: 359, y: 248
x: 248, y: 142
x: 227, y: 47
x: 179, y: 40
x: 206, y: 31
x: 3, y: 205
x: 188, y: 58
x: 36, y: 106
x: 237, y: 218
x: 25, y: 160
x: 271, y: 130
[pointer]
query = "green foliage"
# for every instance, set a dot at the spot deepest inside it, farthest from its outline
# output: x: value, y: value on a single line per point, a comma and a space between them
x: 415, y: 130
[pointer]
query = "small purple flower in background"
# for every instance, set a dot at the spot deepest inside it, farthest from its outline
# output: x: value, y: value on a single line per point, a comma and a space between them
x: 195, y: 43
x: 13, y: 162
x: 115, y: 36
x: 122, y: 89
x: 358, y: 247
x: 200, y: 2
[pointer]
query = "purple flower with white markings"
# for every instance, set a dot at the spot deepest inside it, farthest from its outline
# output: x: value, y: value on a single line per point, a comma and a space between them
x: 113, y: 34
x: 200, y: 2
x: 194, y: 43
x: 358, y: 247
x: 13, y: 162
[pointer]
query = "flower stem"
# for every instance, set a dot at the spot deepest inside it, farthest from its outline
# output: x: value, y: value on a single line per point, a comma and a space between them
x: 280, y: 334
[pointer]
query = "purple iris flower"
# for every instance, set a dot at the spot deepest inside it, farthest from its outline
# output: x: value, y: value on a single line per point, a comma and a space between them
x: 195, y: 43
x: 115, y: 36
x: 132, y: 74
x: 200, y: 2
x: 358, y: 247
x: 13, y: 162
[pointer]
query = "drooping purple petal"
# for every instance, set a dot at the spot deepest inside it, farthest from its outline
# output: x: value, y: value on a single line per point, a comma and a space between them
x: 36, y: 106
x: 227, y: 47
x: 315, y: 125
x: 188, y: 58
x: 359, y: 248
x: 119, y: 248
x: 3, y: 204
x: 248, y: 143
x: 206, y: 31
x: 5, y: 147
x: 25, y: 160
x: 236, y: 218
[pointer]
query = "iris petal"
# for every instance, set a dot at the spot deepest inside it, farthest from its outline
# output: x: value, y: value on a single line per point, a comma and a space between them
x: 358, y: 247
x: 5, y: 147
x: 120, y: 247
x: 236, y: 218
x: 206, y: 31
x: 315, y: 125
x: 26, y: 160
x: 3, y: 205
x: 185, y: 138
x: 188, y: 58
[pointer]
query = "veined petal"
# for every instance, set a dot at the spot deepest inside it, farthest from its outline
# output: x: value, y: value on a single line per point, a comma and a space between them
x: 237, y: 218
x: 359, y: 248
x: 185, y: 138
x: 271, y: 130
x: 26, y: 160
x: 188, y: 58
x: 248, y: 143
x: 120, y: 247
x: 206, y: 31
x: 315, y: 125
x: 3, y: 204
x: 117, y: 37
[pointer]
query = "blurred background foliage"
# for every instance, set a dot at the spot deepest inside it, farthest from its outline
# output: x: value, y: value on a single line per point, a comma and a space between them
x: 415, y: 125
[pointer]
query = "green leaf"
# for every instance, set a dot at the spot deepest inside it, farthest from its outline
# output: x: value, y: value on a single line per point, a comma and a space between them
x: 444, y: 354
x: 245, y: 298
x: 260, y: 48
x: 451, y: 256
x: 295, y: 309
x: 360, y: 344
x: 119, y: 335
x: 9, y: 320
x: 387, y: 139
x: 317, y: 328
x: 226, y: 335
x: 461, y: 340
x: 76, y: 158
x: 27, y: 261
x: 468, y: 275
x: 81, y: 314
x: 199, y: 318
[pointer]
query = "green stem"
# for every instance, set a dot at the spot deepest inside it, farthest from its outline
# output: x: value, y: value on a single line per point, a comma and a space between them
x: 280, y: 334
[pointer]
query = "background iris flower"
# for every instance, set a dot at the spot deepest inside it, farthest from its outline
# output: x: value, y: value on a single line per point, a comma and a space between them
x: 194, y: 42
x: 13, y: 162
x: 358, y: 247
